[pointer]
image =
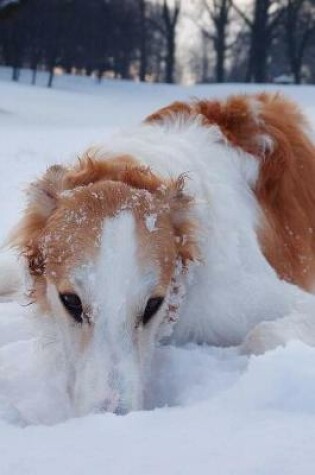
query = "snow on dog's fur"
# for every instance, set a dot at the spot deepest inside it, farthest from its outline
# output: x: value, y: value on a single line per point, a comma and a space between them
x: 122, y: 247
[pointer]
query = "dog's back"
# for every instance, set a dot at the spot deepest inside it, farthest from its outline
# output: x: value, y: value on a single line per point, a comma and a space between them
x: 272, y: 129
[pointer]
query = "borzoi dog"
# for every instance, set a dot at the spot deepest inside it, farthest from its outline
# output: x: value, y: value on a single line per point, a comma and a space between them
x: 197, y: 226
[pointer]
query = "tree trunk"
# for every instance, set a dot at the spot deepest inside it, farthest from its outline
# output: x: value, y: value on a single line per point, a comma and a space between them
x: 51, y: 76
x: 34, y: 74
x: 170, y: 58
x: 143, y: 41
x: 220, y: 54
x: 15, y: 73
x: 170, y: 17
x: 260, y: 43
x: 34, y: 66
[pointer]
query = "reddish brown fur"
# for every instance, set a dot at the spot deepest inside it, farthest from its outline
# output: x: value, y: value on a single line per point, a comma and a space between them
x: 286, y: 184
x: 53, y: 242
x: 125, y: 169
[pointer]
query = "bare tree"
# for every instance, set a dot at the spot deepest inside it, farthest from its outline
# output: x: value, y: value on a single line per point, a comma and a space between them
x: 263, y: 27
x: 299, y: 27
x: 143, y: 39
x: 170, y: 17
x: 218, y: 12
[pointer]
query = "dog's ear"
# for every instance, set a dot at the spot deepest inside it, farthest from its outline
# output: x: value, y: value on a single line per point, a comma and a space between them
x: 42, y: 201
x: 181, y: 207
x: 43, y: 193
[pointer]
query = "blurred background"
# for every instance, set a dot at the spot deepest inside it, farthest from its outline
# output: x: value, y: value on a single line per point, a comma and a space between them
x: 172, y: 41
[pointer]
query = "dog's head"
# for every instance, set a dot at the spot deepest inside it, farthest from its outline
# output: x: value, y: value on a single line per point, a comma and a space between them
x: 103, y: 243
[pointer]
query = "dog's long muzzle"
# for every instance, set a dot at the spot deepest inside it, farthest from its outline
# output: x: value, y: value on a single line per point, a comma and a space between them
x: 109, y: 380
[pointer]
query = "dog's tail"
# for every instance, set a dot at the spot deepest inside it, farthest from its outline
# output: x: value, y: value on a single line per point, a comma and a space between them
x: 11, y: 278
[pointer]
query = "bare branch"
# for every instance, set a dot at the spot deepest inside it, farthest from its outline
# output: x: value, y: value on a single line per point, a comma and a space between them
x: 241, y: 14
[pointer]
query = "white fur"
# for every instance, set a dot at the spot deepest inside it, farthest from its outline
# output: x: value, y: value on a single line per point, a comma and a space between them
x: 111, y: 364
x: 235, y: 288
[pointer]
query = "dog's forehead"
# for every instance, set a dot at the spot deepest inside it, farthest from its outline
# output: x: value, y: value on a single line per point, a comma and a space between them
x: 75, y: 233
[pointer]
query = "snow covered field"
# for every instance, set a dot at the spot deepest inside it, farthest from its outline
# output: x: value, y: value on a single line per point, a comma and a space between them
x: 210, y: 411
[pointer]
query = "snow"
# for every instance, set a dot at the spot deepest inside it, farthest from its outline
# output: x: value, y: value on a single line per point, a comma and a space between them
x: 208, y: 410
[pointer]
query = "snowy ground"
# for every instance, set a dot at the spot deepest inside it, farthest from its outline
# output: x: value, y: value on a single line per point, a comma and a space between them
x: 211, y: 410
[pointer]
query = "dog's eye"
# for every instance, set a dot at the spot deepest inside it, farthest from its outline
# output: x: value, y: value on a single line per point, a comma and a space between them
x: 151, y: 308
x: 73, y: 304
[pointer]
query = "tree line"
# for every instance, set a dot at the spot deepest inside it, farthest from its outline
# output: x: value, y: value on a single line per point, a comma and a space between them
x: 138, y: 39
x: 262, y: 40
